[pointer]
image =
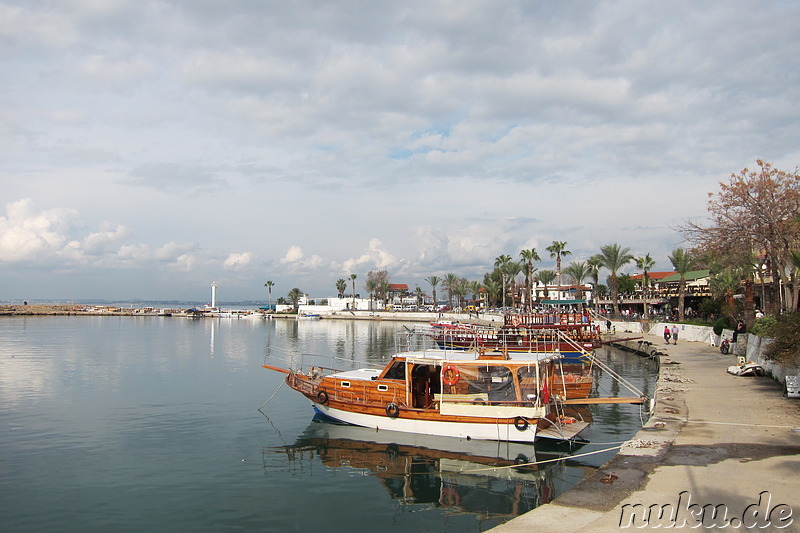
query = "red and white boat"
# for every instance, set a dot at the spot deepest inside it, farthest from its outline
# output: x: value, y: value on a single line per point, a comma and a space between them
x: 573, y: 334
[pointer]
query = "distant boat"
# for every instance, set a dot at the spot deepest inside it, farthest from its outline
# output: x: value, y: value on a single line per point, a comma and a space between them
x: 309, y: 316
x: 571, y: 334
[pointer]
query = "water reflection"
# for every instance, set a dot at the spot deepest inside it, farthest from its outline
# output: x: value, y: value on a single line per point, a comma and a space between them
x: 487, y: 479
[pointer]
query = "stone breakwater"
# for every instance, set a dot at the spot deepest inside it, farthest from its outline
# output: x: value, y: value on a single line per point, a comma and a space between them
x: 75, y: 309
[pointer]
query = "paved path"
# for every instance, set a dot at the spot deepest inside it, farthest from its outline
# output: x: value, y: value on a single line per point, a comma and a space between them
x: 714, y: 438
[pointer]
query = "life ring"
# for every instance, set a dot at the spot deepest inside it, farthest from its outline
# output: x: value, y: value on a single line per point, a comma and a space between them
x: 521, y: 423
x: 322, y: 397
x: 392, y: 410
x: 515, y: 321
x: 450, y: 375
x: 521, y: 459
x: 449, y: 497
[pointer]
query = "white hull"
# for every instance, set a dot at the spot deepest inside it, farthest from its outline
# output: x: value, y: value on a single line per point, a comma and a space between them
x: 464, y: 430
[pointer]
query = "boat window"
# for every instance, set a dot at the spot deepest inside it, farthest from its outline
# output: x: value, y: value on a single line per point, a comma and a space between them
x: 345, y: 384
x: 396, y: 371
x: 383, y: 388
x: 496, y: 382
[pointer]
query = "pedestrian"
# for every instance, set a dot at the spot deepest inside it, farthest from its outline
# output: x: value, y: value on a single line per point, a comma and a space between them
x: 608, y: 325
x: 740, y: 330
x: 667, y: 334
x: 675, y: 333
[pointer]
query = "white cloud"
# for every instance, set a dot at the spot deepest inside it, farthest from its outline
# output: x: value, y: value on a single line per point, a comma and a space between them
x: 30, y: 234
x: 293, y: 255
x: 238, y: 261
x: 375, y: 258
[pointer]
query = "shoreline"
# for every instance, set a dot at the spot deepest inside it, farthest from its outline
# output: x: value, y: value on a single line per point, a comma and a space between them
x: 713, y: 439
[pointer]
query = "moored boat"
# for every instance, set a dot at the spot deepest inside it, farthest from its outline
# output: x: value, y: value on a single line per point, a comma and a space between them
x: 571, y: 334
x: 484, y: 395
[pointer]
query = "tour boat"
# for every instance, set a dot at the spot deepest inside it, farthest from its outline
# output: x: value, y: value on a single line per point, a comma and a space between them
x: 571, y: 334
x: 485, y: 395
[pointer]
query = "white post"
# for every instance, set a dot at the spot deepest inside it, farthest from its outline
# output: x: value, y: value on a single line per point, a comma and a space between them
x: 214, y: 294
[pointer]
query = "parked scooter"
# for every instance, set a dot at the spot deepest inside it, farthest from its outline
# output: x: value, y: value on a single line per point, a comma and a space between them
x: 725, y: 346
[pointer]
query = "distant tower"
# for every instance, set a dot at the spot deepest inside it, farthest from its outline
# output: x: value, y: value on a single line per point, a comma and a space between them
x: 214, y: 294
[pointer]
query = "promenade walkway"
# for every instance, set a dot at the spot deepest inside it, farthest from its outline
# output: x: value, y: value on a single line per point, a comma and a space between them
x: 714, y: 440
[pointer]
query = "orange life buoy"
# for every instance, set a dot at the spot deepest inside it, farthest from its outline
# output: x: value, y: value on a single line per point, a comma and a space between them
x: 515, y: 321
x: 450, y: 375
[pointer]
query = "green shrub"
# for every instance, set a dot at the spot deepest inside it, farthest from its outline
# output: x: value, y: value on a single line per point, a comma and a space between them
x: 720, y: 324
x: 763, y: 326
x: 785, y: 346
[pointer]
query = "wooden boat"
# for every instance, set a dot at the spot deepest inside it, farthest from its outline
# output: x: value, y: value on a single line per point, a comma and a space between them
x: 484, y: 395
x: 574, y: 380
x: 570, y: 334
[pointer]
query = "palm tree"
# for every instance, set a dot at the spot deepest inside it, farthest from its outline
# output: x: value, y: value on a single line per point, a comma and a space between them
x: 475, y: 288
x: 294, y: 296
x: 578, y: 270
x: 353, y: 279
x: 450, y: 283
x: 546, y: 277
x: 558, y: 249
x: 513, y: 269
x: 682, y: 262
x: 502, y: 263
x: 341, y: 286
x: 371, y: 285
x: 434, y: 281
x: 614, y: 257
x: 492, y: 290
x: 595, y: 263
x: 529, y: 256
x: 418, y: 292
x: 269, y: 286
x: 645, y: 263
x: 723, y: 286
x: 383, y: 287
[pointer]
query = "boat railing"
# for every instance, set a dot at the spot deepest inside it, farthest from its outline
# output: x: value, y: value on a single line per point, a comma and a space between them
x: 548, y: 319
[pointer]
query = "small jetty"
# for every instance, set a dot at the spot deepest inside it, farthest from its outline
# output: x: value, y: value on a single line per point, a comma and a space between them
x: 637, y: 345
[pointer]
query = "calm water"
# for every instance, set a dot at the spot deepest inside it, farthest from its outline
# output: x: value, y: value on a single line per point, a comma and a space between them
x: 153, y: 424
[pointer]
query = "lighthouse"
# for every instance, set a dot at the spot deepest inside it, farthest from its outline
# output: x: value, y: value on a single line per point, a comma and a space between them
x: 214, y: 294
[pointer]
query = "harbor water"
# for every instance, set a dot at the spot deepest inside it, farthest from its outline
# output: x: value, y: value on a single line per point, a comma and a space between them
x: 170, y: 424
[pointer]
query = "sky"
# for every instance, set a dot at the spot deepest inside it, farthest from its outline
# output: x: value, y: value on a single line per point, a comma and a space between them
x: 150, y: 147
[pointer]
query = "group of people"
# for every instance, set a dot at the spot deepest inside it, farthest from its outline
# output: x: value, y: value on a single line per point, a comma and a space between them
x: 671, y: 334
x: 740, y: 330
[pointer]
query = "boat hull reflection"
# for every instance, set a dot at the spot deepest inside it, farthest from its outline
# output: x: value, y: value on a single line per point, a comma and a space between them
x: 497, y: 479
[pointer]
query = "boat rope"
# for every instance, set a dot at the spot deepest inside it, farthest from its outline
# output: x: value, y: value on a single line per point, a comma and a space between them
x: 617, y: 376
x: 565, y: 458
x: 273, y: 395
x: 686, y: 421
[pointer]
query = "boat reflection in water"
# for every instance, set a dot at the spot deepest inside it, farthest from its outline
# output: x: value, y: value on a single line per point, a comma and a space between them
x: 489, y: 478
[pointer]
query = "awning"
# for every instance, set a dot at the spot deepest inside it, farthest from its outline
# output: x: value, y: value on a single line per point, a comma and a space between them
x: 562, y: 302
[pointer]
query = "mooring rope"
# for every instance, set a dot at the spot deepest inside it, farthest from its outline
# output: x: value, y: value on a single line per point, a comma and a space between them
x: 565, y: 458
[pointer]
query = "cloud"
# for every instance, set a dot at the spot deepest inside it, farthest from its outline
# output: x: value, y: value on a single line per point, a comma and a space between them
x: 238, y: 261
x: 375, y: 258
x: 293, y: 255
x: 28, y: 234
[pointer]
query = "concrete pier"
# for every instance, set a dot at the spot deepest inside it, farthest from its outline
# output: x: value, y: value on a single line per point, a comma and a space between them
x: 714, y: 440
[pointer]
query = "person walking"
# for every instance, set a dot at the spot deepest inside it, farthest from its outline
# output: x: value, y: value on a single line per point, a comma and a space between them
x: 667, y: 334
x: 675, y: 333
